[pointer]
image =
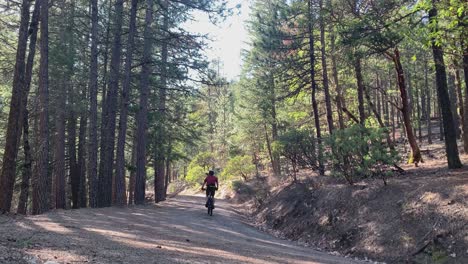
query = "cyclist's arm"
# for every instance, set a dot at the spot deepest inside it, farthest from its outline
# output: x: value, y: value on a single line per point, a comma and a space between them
x: 216, y: 183
x: 203, y: 185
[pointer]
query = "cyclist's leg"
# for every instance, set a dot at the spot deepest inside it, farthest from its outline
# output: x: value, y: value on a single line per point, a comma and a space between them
x: 213, y: 191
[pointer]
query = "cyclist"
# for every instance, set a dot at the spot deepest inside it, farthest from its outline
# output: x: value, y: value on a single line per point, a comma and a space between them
x: 211, y: 182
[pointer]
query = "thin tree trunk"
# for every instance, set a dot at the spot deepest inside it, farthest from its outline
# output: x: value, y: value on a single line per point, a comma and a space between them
x: 41, y: 181
x: 451, y: 147
x: 326, y: 89
x: 321, y: 166
x: 428, y: 104
x: 268, y: 141
x: 8, y: 173
x: 109, y: 120
x: 453, y: 104
x: 418, y: 114
x: 360, y: 89
x: 93, y: 114
x: 377, y: 116
x: 405, y: 110
x: 460, y: 98
x: 27, y: 169
x: 106, y: 56
x: 274, y: 128
x: 142, y: 118
x: 159, y: 182
x: 339, y: 92
x: 82, y: 159
x: 465, y: 116
x: 120, y: 189
x: 168, y: 169
x: 73, y: 164
x: 131, y: 181
x: 59, y: 154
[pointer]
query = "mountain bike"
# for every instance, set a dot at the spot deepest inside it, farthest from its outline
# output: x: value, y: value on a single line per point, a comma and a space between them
x: 210, y: 203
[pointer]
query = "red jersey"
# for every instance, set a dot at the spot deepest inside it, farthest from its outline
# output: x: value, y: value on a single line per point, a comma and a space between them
x: 211, y: 180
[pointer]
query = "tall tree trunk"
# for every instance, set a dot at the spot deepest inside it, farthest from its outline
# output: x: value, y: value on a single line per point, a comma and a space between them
x: 274, y: 128
x: 27, y: 168
x: 168, y: 168
x: 59, y: 153
x: 418, y: 114
x: 405, y: 110
x: 453, y: 103
x: 120, y: 190
x: 444, y: 101
x: 109, y: 120
x: 82, y: 158
x: 460, y: 98
x: 339, y: 92
x: 73, y: 164
x: 106, y: 57
x: 8, y: 173
x: 465, y: 116
x: 131, y: 181
x: 326, y: 89
x: 41, y: 180
x: 93, y: 112
x: 428, y: 104
x: 269, y: 148
x: 142, y: 118
x: 321, y: 166
x: 360, y: 89
x: 159, y: 183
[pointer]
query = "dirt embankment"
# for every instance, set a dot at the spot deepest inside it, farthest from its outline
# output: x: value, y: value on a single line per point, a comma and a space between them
x: 419, y: 217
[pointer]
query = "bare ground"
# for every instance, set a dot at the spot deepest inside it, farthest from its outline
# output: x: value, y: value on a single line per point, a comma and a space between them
x: 176, y: 231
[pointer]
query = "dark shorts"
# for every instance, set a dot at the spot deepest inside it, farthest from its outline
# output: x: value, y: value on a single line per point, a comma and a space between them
x: 210, y: 190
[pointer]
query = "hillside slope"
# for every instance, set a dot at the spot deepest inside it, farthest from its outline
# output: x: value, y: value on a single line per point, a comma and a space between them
x: 419, y: 217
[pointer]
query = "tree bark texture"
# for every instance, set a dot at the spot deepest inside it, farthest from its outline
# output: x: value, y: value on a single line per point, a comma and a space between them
x: 41, y: 181
x: 93, y: 112
x: 120, y: 188
x: 160, y: 157
x: 110, y: 111
x: 415, y: 157
x: 8, y: 173
x: 314, y: 87
x: 326, y: 89
x: 142, y: 118
x: 450, y: 134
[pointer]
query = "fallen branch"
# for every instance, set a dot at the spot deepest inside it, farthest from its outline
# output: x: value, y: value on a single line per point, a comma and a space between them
x: 424, y: 246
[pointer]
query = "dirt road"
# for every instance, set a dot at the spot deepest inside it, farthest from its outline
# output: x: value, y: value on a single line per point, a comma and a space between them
x: 176, y: 231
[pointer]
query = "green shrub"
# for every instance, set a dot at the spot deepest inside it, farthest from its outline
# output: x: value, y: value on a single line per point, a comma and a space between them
x: 195, y: 174
x: 298, y: 146
x: 238, y: 167
x: 359, y: 152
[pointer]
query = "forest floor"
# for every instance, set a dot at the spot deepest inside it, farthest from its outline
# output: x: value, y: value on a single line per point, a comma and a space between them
x: 175, y: 231
x: 421, y: 216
